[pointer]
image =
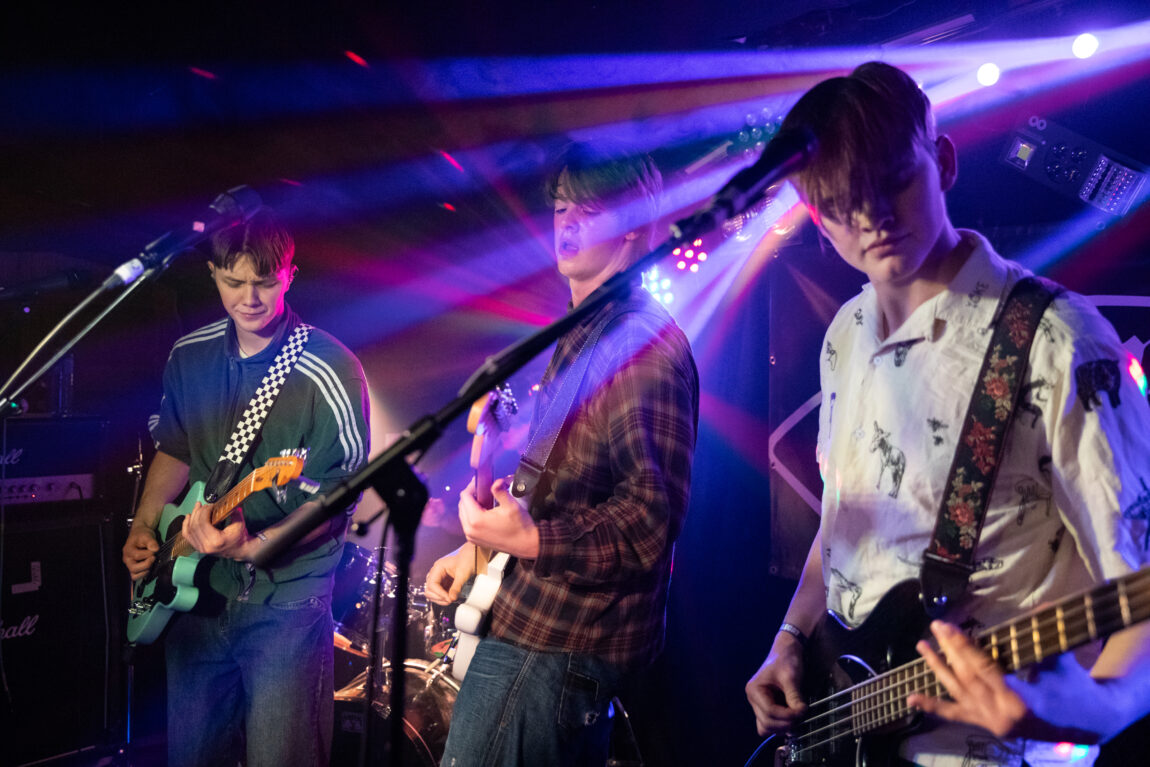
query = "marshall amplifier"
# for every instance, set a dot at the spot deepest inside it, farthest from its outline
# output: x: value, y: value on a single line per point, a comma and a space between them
x: 49, y: 460
x: 59, y: 634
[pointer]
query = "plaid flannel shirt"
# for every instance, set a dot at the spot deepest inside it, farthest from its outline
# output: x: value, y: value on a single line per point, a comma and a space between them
x: 614, y: 497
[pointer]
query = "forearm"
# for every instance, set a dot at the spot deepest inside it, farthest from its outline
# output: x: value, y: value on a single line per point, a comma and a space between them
x: 331, y: 528
x: 1124, y: 669
x: 809, y: 602
x: 167, y: 476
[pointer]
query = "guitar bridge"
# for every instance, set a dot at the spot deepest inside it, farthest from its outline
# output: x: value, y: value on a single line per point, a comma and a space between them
x: 141, y: 606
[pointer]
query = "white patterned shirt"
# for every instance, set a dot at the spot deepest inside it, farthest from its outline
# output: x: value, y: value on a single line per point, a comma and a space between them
x: 1070, y: 504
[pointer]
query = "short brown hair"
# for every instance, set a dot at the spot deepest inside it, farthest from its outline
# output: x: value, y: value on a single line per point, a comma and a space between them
x: 867, y: 124
x: 606, y: 173
x: 262, y: 239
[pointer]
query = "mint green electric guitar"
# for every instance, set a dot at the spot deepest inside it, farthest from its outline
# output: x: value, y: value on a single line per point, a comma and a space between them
x: 169, y: 586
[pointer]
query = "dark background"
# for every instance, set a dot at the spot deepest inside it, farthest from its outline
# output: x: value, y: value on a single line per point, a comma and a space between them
x: 412, y: 183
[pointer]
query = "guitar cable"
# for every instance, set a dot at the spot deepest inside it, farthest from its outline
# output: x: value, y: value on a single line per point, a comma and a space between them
x: 755, y: 755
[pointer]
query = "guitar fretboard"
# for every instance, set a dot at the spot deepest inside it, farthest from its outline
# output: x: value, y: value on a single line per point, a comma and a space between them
x: 179, y: 546
x: 1044, y: 633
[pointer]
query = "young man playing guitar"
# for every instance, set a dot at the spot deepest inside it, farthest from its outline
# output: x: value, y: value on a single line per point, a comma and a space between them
x: 583, y: 601
x: 250, y: 667
x: 902, y: 362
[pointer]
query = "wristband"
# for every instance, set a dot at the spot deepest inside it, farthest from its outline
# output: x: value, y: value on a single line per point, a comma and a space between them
x: 264, y: 537
x: 796, y: 632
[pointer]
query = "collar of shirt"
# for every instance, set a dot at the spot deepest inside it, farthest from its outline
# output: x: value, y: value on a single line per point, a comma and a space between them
x: 972, y: 299
x: 268, y: 352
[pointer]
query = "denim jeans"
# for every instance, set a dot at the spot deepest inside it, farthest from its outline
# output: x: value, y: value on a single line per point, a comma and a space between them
x: 253, y: 682
x: 524, y: 707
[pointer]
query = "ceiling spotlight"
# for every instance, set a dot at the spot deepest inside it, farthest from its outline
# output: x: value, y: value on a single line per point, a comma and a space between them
x: 1085, y: 46
x: 988, y: 74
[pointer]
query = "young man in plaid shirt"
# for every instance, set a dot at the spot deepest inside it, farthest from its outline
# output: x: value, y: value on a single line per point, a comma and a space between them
x: 584, y: 600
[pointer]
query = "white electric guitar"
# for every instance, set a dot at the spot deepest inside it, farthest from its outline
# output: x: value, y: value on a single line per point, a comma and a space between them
x: 488, y: 417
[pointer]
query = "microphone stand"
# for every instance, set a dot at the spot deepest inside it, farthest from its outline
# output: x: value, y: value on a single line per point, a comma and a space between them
x: 7, y: 400
x: 390, y: 473
x: 232, y: 207
x: 404, y: 494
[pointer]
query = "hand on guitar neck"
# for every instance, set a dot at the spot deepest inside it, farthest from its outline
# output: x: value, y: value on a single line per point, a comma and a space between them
x: 1056, y: 700
x: 490, y: 417
x: 232, y: 542
x: 505, y: 527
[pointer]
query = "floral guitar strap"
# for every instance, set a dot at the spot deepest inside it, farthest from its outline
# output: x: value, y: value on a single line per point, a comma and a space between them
x: 949, y: 559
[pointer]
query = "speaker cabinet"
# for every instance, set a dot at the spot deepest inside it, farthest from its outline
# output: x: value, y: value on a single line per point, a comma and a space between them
x: 59, y: 651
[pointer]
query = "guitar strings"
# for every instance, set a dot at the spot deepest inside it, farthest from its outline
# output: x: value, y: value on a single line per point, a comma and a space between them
x: 163, y: 554
x: 1099, y: 612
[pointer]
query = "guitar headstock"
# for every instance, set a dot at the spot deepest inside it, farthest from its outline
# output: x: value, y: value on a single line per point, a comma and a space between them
x: 493, y: 411
x: 277, y: 471
x: 489, y: 416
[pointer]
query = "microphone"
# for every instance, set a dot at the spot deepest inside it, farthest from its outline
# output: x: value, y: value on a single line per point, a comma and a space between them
x: 787, y: 153
x: 235, y: 206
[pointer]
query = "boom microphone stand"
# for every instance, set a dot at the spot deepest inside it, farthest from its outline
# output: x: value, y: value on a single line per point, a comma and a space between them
x: 390, y: 473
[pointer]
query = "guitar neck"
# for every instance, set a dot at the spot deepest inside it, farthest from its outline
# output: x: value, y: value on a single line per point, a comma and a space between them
x: 218, y: 512
x: 1071, y: 623
x: 1041, y: 634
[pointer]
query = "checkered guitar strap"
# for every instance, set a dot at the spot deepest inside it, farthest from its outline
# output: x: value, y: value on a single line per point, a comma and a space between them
x: 244, y: 435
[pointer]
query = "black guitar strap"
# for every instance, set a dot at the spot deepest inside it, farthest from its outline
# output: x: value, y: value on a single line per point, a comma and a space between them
x: 949, y: 559
x: 533, y: 462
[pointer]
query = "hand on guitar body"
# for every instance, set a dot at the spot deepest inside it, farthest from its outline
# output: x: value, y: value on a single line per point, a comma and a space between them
x: 775, y: 691
x: 167, y: 476
x: 139, y: 551
x: 449, y: 574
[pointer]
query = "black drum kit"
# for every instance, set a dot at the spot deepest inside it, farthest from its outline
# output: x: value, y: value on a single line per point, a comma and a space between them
x: 430, y: 689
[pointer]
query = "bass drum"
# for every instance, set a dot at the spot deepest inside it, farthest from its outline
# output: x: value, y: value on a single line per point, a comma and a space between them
x: 429, y: 697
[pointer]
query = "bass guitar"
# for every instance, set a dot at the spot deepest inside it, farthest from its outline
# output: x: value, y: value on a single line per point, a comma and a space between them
x: 169, y: 585
x: 489, y: 416
x: 866, y: 673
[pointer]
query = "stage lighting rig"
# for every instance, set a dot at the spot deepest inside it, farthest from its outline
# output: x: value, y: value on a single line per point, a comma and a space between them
x: 1074, y: 165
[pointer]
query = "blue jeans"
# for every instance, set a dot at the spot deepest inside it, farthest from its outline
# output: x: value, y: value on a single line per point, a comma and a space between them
x: 524, y: 707
x: 254, y: 682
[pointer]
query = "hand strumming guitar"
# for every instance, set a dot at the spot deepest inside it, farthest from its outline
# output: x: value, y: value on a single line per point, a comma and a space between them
x: 139, y: 551
x: 449, y: 574
x: 774, y: 692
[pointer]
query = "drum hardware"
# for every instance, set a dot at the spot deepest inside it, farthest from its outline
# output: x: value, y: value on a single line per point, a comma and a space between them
x: 429, y: 625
